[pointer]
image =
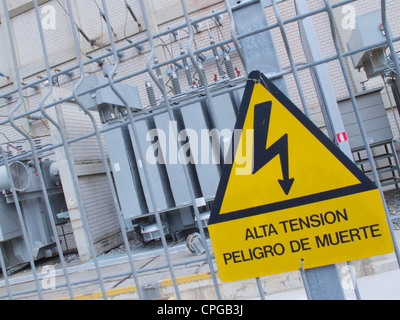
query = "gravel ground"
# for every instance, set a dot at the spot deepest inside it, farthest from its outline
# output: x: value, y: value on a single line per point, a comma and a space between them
x: 393, y: 202
x: 74, y: 259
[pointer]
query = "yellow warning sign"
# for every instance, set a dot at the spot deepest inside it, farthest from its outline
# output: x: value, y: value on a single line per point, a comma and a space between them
x: 290, y: 197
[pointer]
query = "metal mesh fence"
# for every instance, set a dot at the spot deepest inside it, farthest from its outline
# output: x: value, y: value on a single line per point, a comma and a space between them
x: 65, y: 126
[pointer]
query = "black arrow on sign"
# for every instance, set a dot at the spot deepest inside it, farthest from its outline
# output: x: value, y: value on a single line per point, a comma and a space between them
x: 262, y: 156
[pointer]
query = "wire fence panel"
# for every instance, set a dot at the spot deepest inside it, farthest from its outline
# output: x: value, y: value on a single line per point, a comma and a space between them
x: 118, y: 116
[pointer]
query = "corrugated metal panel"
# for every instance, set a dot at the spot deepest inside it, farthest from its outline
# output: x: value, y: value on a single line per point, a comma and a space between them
x: 207, y: 171
x: 174, y: 168
x: 124, y: 168
x: 374, y: 117
x: 157, y: 174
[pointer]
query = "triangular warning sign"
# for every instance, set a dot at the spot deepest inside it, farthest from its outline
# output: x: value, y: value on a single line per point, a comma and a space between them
x: 288, y: 177
x: 282, y: 159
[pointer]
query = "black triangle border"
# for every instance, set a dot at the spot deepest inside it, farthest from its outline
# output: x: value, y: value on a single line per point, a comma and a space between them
x: 365, y: 185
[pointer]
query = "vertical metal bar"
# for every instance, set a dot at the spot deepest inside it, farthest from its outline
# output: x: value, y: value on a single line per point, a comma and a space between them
x: 359, y: 118
x: 235, y: 38
x: 391, y: 104
x: 203, y: 79
x: 256, y: 42
x: 215, y: 123
x: 396, y: 160
x: 74, y: 176
x: 260, y: 288
x: 67, y: 152
x: 305, y: 282
x: 291, y: 59
x: 142, y: 156
x: 5, y: 275
x: 324, y: 283
x: 389, y: 37
x: 186, y: 173
x: 324, y: 89
x: 322, y: 82
x: 160, y: 86
x: 46, y: 198
x: 110, y: 180
x: 201, y: 74
x: 2, y: 262
x: 354, y: 280
x: 10, y: 119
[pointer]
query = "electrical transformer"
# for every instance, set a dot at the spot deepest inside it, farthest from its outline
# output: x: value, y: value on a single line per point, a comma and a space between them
x: 369, y: 31
x: 34, y: 216
x: 203, y: 143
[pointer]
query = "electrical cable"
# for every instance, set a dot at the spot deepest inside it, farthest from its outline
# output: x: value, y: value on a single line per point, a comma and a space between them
x: 104, y: 17
x: 386, y: 65
x: 125, y: 25
x: 84, y: 35
x: 130, y: 10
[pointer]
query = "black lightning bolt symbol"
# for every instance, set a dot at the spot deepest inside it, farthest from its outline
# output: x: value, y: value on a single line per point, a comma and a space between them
x: 262, y: 156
